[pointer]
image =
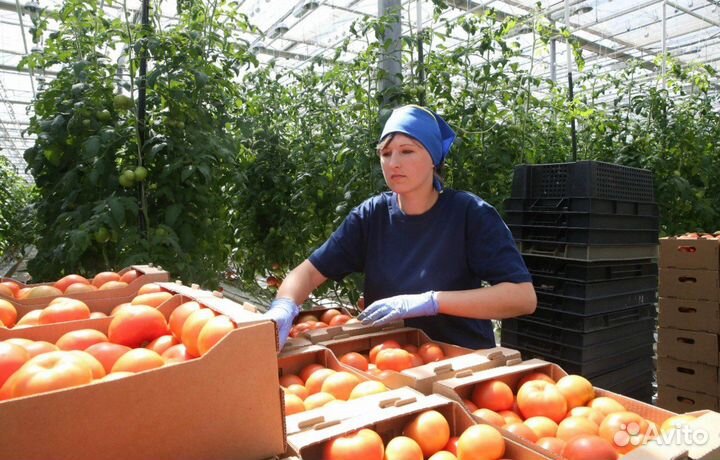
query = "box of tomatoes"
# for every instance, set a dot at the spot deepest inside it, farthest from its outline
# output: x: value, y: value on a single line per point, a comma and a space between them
x: 123, y: 283
x: 408, y: 357
x: 538, y: 400
x: 195, y: 378
x: 407, y: 425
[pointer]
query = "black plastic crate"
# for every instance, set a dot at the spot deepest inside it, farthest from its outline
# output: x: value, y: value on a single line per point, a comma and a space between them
x: 584, y: 323
x: 529, y: 329
x: 595, y: 305
x: 582, y: 235
x: 588, y: 368
x: 590, y: 271
x: 628, y: 376
x: 588, y: 253
x: 587, y: 205
x: 572, y: 288
x: 586, y: 353
x: 581, y: 219
x: 583, y: 179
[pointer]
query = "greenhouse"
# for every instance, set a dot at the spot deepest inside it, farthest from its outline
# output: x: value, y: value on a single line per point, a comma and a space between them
x: 334, y: 229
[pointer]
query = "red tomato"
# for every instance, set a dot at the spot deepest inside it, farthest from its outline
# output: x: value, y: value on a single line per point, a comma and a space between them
x: 213, y: 331
x: 176, y: 354
x: 585, y: 447
x: 64, y: 309
x: 12, y: 357
x: 136, y: 325
x: 13, y: 286
x: 80, y: 339
x: 364, y: 444
x: 495, y: 395
x: 179, y: 315
x: 47, y: 372
x: 138, y: 360
x: 107, y: 353
x: 66, y: 281
x: 395, y: 359
x: 129, y: 276
x: 162, y: 343
x: 624, y: 430
x: 8, y: 314
x: 554, y: 445
x: 103, y: 277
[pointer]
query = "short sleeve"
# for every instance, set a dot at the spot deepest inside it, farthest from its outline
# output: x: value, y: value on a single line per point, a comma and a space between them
x: 344, y: 252
x: 492, y: 253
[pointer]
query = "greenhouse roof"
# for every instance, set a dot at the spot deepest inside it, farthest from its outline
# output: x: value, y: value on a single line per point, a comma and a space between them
x: 294, y: 32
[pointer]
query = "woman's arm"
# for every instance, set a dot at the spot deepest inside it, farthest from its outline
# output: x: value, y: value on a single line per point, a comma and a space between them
x: 300, y: 282
x: 503, y: 300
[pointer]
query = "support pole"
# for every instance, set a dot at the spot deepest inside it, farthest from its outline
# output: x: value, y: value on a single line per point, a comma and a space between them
x: 142, y: 103
x: 391, y: 56
x: 571, y: 97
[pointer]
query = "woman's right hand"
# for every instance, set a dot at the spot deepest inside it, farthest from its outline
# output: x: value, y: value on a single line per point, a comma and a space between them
x: 283, y: 311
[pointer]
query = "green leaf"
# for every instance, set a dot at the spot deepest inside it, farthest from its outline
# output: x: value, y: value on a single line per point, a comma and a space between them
x: 172, y: 213
x: 117, y: 210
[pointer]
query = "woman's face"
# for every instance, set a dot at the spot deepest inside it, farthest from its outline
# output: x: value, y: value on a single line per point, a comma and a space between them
x: 406, y: 165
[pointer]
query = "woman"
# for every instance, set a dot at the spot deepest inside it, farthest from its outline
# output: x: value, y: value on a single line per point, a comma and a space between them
x: 425, y: 251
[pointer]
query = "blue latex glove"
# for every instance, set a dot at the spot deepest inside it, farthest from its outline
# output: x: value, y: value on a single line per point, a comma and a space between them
x: 384, y: 311
x: 283, y: 311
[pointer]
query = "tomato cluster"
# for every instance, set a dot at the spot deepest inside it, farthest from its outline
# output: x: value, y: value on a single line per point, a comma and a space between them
x: 425, y: 436
x: 390, y: 355
x: 309, y: 321
x: 70, y: 284
x: 137, y: 338
x: 565, y: 417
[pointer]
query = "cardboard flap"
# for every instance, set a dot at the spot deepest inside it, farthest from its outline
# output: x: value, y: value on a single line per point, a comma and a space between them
x: 345, y: 331
x: 214, y: 300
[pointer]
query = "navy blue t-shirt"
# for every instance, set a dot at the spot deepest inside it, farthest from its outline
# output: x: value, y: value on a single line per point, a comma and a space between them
x: 456, y: 245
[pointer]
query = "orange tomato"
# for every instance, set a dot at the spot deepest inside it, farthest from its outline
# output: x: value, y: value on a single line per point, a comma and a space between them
x: 293, y: 404
x: 366, y: 388
x: 316, y: 400
x: 307, y: 318
x: 395, y: 359
x: 522, y: 430
x: 107, y: 353
x: 103, y: 277
x: 162, y: 343
x: 585, y: 447
x: 298, y: 390
x: 340, y: 384
x: 620, y: 425
x: 451, y: 445
x: 77, y: 288
x: 431, y: 352
x: 356, y: 360
x: 41, y: 291
x: 490, y: 416
x: 403, y: 448
x: 192, y: 327
x: 588, y: 412
x: 63, y: 309
x: 138, y: 360
x: 329, y: 314
x: 63, y: 283
x: 533, y: 376
x: 31, y: 318
x: 538, y: 397
x: 364, y: 444
x: 8, y: 314
x: 113, y: 285
x: 577, y: 390
x: 542, y: 426
x: 495, y: 395
x: 38, y: 347
x: 98, y: 371
x: 179, y: 315
x: 80, y: 339
x: 676, y: 421
x: 176, y: 354
x: 382, y: 346
x: 290, y: 379
x: 5, y: 291
x: 430, y: 430
x: 315, y: 381
x: 148, y: 288
x: 442, y: 455
x: 97, y: 314
x: 606, y: 405
x: 339, y: 320
x: 154, y: 299
x: 481, y: 442
x: 573, y: 426
x: 136, y: 325
x: 308, y: 370
x: 129, y: 276
x: 13, y: 286
x: 510, y: 416
x: 213, y: 331
x: 554, y: 445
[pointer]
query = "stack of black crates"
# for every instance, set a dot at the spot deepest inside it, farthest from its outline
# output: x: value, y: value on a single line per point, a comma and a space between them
x: 588, y: 232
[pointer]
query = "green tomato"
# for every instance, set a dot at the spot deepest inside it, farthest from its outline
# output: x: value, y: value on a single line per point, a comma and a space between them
x: 160, y: 232
x: 102, y: 235
x: 103, y: 115
x: 127, y: 178
x: 140, y: 173
x: 124, y: 182
x: 122, y: 102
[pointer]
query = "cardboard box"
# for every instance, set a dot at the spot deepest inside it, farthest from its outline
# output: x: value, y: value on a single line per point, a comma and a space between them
x: 700, y: 441
x: 693, y: 315
x: 226, y: 404
x: 148, y: 274
x: 294, y: 360
x: 345, y: 331
x: 693, y: 284
x: 698, y: 377
x: 460, y: 387
x: 694, y: 346
x: 683, y: 400
x: 388, y: 420
x: 684, y: 253
x: 458, y: 359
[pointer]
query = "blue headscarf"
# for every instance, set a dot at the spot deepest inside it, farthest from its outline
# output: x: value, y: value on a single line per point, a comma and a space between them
x: 425, y: 126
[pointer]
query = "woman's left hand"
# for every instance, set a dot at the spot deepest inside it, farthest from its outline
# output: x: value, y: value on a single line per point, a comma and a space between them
x: 399, y: 307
